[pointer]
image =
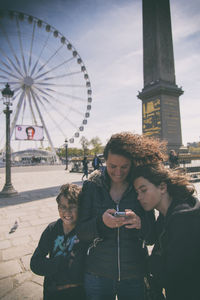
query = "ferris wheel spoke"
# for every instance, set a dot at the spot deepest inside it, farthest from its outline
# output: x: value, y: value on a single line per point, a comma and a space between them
x: 63, y: 76
x: 16, y: 115
x: 42, y: 50
x: 16, y: 94
x: 12, y: 63
x: 61, y: 85
x: 10, y: 74
x: 53, y: 69
x: 16, y: 91
x: 66, y: 95
x: 56, y: 99
x: 6, y: 65
x: 10, y: 83
x: 3, y: 77
x: 31, y: 47
x: 9, y: 44
x: 2, y: 140
x: 55, y: 122
x: 43, y: 92
x: 60, y: 113
x: 77, y: 111
x: 53, y: 98
x: 51, y: 117
x: 21, y: 46
x: 50, y: 58
x: 31, y: 108
x: 23, y: 112
x: 34, y: 96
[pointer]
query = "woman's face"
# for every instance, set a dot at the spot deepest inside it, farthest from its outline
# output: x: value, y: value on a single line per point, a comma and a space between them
x: 118, y: 167
x: 149, y: 195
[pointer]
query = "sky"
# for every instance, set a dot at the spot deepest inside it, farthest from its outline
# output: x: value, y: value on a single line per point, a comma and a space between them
x: 108, y: 37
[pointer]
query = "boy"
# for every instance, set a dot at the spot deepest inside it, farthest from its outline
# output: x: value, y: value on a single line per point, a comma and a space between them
x: 63, y: 268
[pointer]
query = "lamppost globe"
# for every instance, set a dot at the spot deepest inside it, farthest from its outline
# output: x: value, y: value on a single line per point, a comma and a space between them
x: 7, y: 95
x: 8, y: 189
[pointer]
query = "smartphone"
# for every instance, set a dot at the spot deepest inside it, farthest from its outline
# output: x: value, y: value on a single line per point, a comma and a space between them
x: 120, y: 214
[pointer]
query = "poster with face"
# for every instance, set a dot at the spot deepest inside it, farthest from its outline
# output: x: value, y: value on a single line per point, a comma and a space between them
x: 29, y: 132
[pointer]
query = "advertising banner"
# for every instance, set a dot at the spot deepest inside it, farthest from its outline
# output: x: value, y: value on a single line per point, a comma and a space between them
x: 29, y: 132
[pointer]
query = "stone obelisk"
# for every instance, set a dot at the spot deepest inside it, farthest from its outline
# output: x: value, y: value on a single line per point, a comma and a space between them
x: 160, y: 95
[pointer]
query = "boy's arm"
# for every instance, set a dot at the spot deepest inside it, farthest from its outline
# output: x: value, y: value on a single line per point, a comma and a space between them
x: 42, y: 265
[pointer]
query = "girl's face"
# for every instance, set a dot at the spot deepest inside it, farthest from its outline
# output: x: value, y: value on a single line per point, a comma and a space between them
x: 118, y: 167
x: 149, y: 195
x: 68, y: 213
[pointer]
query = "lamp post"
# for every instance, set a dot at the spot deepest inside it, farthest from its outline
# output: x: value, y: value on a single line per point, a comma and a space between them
x: 8, y: 189
x: 66, y: 153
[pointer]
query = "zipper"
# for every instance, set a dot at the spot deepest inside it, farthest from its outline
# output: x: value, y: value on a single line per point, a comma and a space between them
x: 118, y: 250
x: 94, y: 244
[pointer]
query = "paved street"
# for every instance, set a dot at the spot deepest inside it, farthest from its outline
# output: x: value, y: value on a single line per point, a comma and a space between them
x: 32, y: 209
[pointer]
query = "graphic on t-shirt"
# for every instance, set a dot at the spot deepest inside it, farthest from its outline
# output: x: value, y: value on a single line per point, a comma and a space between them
x: 64, y: 247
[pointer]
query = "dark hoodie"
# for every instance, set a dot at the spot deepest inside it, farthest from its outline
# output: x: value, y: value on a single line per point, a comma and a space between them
x: 175, y: 259
x: 113, y: 253
x: 65, y: 263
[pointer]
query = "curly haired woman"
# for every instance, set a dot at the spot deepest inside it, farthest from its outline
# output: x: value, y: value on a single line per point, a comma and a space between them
x: 115, y: 261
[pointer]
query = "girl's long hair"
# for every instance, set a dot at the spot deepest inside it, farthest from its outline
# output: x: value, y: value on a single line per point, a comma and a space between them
x: 178, y: 185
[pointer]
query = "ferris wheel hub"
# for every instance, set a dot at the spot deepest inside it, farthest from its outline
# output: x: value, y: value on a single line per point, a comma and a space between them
x: 28, y: 81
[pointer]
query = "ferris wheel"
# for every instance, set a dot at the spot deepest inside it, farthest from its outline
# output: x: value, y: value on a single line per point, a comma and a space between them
x: 50, y: 81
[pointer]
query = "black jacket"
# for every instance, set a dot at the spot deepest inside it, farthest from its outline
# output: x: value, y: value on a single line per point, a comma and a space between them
x: 113, y: 253
x: 175, y: 259
x: 66, y: 257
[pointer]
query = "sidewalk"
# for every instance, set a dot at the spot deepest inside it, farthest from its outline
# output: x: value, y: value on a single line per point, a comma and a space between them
x: 33, y: 209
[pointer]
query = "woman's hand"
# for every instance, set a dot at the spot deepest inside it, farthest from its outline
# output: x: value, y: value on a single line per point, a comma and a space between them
x: 111, y: 221
x: 132, y: 220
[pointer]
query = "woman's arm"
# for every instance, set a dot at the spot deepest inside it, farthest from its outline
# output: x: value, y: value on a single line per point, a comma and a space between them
x: 89, y: 225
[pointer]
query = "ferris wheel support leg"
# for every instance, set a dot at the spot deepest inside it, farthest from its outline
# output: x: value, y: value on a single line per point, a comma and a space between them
x: 19, y: 106
x: 45, y: 128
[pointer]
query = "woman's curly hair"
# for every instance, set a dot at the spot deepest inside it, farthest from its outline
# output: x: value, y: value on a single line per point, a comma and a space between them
x: 141, y: 150
x: 71, y: 192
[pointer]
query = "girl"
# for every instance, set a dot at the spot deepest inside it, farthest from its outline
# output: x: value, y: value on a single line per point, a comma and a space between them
x: 175, y: 259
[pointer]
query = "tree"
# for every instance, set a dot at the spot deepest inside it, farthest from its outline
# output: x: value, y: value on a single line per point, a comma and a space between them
x: 97, y: 145
x: 84, y: 143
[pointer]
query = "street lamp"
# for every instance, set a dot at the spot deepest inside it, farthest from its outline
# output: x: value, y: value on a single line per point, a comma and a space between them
x: 66, y: 153
x: 8, y: 189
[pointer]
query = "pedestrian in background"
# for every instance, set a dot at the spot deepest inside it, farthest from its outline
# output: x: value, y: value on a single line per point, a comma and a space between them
x: 60, y: 255
x: 85, y: 167
x: 173, y: 159
x: 96, y: 163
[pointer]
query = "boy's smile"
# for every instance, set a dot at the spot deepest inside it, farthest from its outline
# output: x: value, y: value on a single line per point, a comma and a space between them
x: 68, y: 214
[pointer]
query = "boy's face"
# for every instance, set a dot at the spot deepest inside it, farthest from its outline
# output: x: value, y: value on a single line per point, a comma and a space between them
x: 68, y: 212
